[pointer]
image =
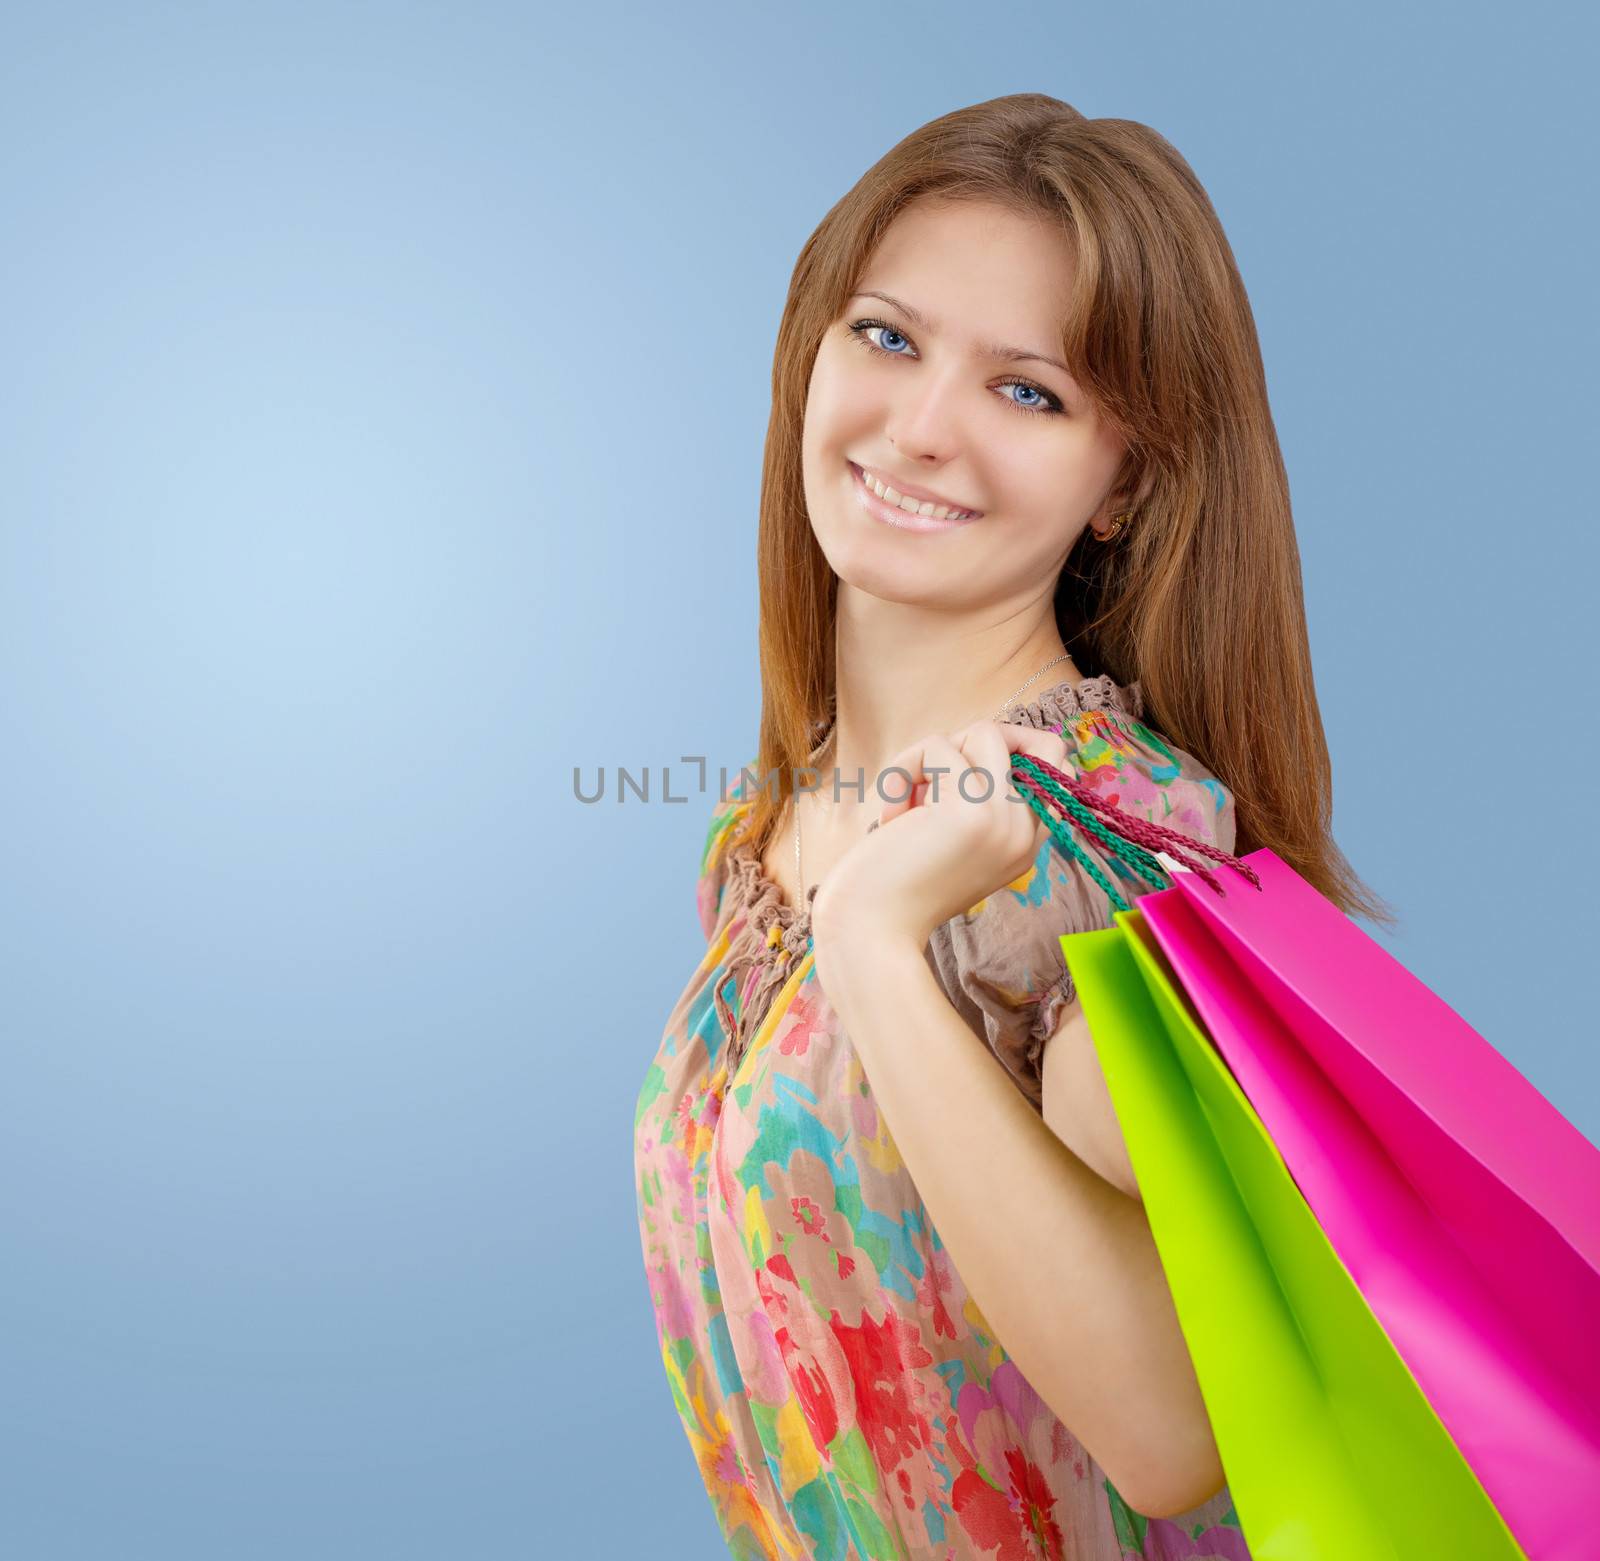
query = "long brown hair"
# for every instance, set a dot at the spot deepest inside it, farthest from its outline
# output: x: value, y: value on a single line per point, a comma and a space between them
x: 1199, y: 599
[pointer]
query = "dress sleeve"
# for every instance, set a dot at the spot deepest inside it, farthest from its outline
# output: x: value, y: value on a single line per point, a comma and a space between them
x: 720, y: 834
x: 1000, y: 963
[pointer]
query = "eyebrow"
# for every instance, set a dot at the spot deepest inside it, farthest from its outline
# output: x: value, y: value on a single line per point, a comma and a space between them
x: 988, y: 349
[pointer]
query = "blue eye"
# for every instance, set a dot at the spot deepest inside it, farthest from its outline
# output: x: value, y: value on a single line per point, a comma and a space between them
x: 888, y: 330
x: 1050, y: 405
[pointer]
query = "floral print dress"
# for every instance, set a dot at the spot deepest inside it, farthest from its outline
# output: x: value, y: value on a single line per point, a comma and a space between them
x: 842, y: 1394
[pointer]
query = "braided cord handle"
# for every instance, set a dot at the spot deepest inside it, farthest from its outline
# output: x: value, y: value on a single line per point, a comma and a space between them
x: 1032, y: 796
x: 1135, y: 855
x: 1124, y: 835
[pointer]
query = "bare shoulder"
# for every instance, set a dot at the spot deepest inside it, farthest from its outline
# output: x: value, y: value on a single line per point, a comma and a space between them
x: 1077, y: 1105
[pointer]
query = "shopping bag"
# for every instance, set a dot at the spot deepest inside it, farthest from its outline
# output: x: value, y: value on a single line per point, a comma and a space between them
x: 1330, y: 1449
x: 1464, y: 1206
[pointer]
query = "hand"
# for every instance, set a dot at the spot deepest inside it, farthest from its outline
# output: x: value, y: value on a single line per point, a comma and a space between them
x: 935, y: 853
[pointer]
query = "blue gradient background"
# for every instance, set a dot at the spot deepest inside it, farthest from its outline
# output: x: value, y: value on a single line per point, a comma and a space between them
x: 382, y: 391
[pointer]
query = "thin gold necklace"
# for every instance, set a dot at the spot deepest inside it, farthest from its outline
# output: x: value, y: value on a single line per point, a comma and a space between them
x: 1010, y: 700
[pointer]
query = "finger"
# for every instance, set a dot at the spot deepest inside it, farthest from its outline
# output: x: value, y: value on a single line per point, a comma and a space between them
x: 1001, y: 746
x: 990, y: 751
x: 906, y: 779
x: 911, y: 774
x: 984, y: 748
x: 991, y: 746
x: 1030, y: 740
x: 1038, y: 744
x: 1034, y: 739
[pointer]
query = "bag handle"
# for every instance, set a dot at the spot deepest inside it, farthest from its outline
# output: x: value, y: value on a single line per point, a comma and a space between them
x: 1134, y: 840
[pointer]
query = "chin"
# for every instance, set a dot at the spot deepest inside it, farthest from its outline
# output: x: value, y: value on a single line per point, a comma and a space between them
x: 877, y: 568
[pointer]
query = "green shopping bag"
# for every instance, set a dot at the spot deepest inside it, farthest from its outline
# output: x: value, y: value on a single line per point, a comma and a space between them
x: 1329, y: 1447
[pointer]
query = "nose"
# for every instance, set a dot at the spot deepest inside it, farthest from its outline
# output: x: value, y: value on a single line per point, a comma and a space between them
x: 924, y: 419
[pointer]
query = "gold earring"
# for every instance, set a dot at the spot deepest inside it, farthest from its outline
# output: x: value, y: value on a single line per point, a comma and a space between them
x: 1117, y: 524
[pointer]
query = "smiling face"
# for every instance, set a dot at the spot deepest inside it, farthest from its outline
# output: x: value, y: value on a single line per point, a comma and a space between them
x: 929, y: 403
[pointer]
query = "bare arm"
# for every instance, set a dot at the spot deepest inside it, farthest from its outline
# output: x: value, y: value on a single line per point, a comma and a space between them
x: 1077, y: 1104
x: 1059, y: 1260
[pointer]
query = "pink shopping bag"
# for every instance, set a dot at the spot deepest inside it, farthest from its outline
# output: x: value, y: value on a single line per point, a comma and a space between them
x: 1465, y: 1207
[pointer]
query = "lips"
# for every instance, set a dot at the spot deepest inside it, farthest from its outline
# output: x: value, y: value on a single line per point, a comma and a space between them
x: 892, y: 515
x: 911, y: 491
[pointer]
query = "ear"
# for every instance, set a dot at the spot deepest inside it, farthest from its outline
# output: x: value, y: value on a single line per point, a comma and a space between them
x: 1147, y: 486
x: 1123, y: 499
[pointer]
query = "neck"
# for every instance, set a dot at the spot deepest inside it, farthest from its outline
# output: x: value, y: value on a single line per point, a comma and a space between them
x: 902, y: 672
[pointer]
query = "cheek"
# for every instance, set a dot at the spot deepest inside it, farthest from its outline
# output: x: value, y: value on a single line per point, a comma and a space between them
x: 836, y: 405
x: 825, y: 423
x: 1057, y: 489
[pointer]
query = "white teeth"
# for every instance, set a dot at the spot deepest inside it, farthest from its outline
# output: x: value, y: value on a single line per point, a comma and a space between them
x: 912, y: 506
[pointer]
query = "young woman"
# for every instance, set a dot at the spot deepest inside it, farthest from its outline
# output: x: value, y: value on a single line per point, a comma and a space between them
x: 1022, y: 493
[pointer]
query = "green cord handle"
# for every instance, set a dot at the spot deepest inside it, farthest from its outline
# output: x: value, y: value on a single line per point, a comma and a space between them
x: 1137, y: 858
x: 1141, y: 861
